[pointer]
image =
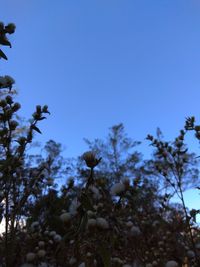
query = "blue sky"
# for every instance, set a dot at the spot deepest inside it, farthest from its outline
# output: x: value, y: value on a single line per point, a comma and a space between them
x: 99, y: 63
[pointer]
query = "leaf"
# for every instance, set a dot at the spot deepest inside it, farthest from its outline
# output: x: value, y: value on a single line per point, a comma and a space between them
x: 2, y: 55
x: 82, y: 224
x: 5, y: 42
x: 42, y: 118
x: 105, y: 255
x: 36, y: 129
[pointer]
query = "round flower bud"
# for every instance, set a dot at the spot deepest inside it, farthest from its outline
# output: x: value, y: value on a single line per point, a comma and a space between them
x: 190, y: 254
x: 9, y: 99
x: 72, y: 261
x: 52, y: 233
x: 116, y: 189
x: 102, y: 223
x: 171, y: 264
x: 57, y: 238
x: 135, y: 231
x: 13, y: 125
x: 10, y: 28
x: 16, y: 107
x: 91, y: 223
x: 65, y: 217
x: 129, y: 224
x: 41, y: 253
x: 30, y: 256
x: 41, y: 244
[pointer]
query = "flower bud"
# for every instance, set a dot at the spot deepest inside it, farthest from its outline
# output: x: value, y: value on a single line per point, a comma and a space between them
x: 90, y: 159
x: 10, y: 28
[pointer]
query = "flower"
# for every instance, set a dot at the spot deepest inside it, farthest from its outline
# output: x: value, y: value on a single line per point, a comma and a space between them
x: 41, y: 244
x: 57, y: 238
x: 72, y: 261
x: 10, y: 28
x: 102, y: 223
x: 74, y: 206
x: 116, y: 189
x: 190, y: 254
x: 90, y: 159
x: 171, y: 264
x: 30, y: 256
x: 135, y: 231
x: 65, y: 217
x: 41, y: 253
x: 91, y: 223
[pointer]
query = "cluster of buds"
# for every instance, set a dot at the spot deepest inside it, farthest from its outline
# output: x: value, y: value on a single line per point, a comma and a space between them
x: 6, y: 82
x: 8, y: 29
x: 190, y: 125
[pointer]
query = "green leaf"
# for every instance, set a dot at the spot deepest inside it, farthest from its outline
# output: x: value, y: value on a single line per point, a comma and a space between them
x: 105, y: 255
x: 4, y: 41
x: 42, y: 118
x: 36, y: 129
x: 2, y: 55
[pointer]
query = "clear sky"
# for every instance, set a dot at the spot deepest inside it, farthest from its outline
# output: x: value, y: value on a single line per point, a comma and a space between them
x: 97, y: 63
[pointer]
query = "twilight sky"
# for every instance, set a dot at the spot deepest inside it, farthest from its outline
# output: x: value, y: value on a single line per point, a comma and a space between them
x: 97, y: 63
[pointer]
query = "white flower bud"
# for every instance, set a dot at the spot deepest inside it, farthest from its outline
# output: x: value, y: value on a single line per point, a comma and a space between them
x: 116, y: 189
x: 30, y: 256
x: 171, y: 264
x: 57, y: 238
x: 135, y: 231
x: 102, y: 223
x: 41, y: 253
x: 65, y: 217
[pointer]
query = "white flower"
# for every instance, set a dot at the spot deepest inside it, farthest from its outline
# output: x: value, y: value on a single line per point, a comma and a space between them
x: 72, y: 261
x: 126, y: 265
x: 41, y: 244
x: 117, y: 189
x: 52, y: 233
x: 135, y: 231
x: 65, y: 217
x: 102, y: 223
x: 41, y: 253
x: 148, y: 265
x: 190, y: 254
x: 30, y: 256
x: 171, y: 264
x: 82, y: 264
x: 74, y: 206
x: 117, y: 260
x: 129, y: 224
x: 57, y: 238
x: 91, y: 223
x: 90, y: 213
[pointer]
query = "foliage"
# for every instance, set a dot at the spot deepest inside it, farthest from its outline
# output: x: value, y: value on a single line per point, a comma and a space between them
x: 119, y: 213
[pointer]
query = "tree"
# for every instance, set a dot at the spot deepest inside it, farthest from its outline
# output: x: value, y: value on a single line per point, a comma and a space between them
x: 18, y: 183
x: 119, y: 158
